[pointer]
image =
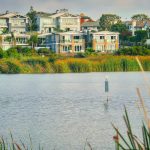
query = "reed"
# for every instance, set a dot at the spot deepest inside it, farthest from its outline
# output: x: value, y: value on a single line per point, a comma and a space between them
x: 12, y: 144
x: 102, y: 63
x: 131, y: 141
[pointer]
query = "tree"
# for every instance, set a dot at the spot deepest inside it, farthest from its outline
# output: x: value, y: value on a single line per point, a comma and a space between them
x: 140, y: 35
x: 32, y: 20
x: 13, y: 39
x: 107, y: 20
x: 33, y: 41
x: 123, y: 30
x: 133, y: 51
x: 1, y: 53
x: 139, y: 17
x: 119, y: 27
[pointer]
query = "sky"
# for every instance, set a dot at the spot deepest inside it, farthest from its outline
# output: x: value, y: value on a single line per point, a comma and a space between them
x: 92, y: 8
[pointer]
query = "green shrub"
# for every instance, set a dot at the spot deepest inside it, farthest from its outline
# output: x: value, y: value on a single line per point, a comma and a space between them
x: 13, y: 67
x: 44, y: 51
x: 12, y: 52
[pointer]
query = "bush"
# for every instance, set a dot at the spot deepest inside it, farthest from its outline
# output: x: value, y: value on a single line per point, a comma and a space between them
x: 80, y: 55
x: 44, y: 51
x: 12, y: 52
x: 26, y: 51
x: 133, y: 51
x: 53, y: 58
x: 14, y: 67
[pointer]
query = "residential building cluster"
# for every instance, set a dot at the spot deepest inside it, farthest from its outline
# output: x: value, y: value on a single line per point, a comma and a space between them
x: 137, y: 25
x: 62, y: 32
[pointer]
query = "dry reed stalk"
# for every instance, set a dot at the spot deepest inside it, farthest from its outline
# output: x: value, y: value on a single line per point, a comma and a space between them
x: 145, y: 77
x: 143, y: 106
x: 139, y: 94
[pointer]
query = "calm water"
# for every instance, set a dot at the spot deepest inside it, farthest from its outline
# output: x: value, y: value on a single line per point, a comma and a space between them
x: 61, y: 111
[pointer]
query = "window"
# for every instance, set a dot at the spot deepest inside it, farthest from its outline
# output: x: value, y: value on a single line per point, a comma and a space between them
x: 113, y: 37
x: 101, y: 37
x: 77, y: 48
x: 76, y: 37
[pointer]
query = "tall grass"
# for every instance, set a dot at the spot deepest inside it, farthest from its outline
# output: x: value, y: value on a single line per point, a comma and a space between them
x: 103, y: 63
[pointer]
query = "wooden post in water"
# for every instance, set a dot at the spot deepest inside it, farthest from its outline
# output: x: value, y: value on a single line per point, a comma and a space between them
x: 106, y: 87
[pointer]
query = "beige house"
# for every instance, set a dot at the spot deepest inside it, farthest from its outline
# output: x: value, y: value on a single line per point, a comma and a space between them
x: 13, y: 22
x: 60, y: 20
x: 67, y: 42
x: 105, y: 41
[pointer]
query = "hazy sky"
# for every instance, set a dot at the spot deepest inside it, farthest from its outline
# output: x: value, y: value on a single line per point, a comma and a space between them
x: 93, y: 8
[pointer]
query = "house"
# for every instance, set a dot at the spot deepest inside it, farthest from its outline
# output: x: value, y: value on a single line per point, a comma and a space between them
x: 8, y: 40
x: 60, y: 20
x: 105, y: 41
x: 44, y: 40
x: 13, y: 22
x: 137, y: 25
x: 17, y: 39
x: 45, y: 22
x: 90, y: 26
x: 84, y: 18
x: 67, y: 42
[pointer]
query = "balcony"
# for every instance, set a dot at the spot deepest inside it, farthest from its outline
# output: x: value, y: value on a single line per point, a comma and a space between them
x: 18, y: 24
x: 79, y: 40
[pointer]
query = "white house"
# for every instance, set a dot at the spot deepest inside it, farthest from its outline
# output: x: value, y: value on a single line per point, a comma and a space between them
x: 90, y: 26
x: 13, y: 22
x: 60, y: 20
x: 6, y: 40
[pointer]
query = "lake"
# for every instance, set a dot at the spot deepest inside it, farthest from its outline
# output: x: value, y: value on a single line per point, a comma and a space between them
x: 61, y: 111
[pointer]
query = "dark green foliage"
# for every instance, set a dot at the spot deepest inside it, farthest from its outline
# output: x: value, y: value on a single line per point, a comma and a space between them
x: 140, y: 35
x: 140, y: 17
x: 133, y: 51
x: 53, y: 57
x: 32, y: 20
x: 125, y: 34
x: 33, y: 41
x: 1, y: 53
x: 80, y: 55
x: 12, y: 52
x: 119, y: 27
x: 26, y: 51
x: 5, y: 31
x: 44, y: 51
x: 107, y: 20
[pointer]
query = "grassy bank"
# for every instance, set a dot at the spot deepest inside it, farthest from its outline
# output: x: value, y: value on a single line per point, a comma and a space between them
x: 103, y: 63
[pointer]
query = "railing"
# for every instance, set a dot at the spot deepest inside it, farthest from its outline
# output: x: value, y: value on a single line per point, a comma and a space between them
x: 18, y: 24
